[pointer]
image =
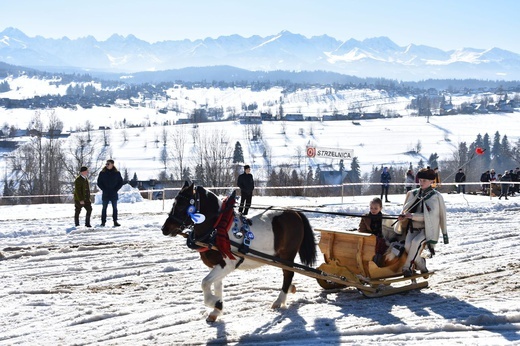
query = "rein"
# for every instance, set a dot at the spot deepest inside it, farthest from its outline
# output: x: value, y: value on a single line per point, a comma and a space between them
x: 392, y: 217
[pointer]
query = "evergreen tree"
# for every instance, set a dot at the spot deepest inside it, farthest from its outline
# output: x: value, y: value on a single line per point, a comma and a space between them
x: 4, y: 87
x: 496, y: 151
x: 355, y: 175
x: 462, y: 154
x: 238, y: 154
x: 199, y: 175
x: 486, y: 144
x: 310, y: 176
x: 317, y: 175
x: 133, y: 182
x: 508, y: 161
x: 186, y: 174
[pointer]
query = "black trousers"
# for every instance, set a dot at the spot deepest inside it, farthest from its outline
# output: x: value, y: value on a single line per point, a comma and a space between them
x: 78, y: 206
x: 245, y: 202
x: 384, y: 191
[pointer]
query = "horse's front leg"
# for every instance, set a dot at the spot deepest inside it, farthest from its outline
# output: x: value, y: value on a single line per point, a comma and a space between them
x: 213, y: 298
x: 286, y: 288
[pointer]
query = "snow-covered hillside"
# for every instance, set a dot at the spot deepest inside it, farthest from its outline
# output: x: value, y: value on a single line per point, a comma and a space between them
x: 375, y: 142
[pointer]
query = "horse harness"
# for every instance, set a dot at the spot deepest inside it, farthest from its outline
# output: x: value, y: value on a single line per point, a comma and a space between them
x: 239, y: 225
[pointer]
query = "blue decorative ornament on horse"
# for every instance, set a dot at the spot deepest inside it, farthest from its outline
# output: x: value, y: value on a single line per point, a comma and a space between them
x: 221, y: 236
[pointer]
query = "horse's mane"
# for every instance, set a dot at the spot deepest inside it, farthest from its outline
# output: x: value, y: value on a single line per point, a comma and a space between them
x: 212, y: 197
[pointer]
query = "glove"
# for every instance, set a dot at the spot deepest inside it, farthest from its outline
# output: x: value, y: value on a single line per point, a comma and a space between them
x: 445, y: 238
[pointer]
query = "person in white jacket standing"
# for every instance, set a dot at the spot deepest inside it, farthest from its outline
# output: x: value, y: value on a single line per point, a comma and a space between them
x: 423, y: 218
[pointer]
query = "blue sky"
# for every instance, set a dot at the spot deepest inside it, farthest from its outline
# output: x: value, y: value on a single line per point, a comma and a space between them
x: 445, y: 24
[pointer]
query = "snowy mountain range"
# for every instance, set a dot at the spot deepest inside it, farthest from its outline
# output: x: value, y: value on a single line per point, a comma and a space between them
x: 372, y: 57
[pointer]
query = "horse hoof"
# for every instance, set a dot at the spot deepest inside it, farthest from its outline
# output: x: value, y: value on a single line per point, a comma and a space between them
x: 292, y: 289
x: 276, y: 305
x: 211, y: 319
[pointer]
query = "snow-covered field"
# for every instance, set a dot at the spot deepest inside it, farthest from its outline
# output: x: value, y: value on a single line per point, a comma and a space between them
x: 133, y: 286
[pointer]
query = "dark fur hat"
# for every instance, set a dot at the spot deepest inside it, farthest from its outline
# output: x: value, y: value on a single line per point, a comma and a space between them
x: 83, y: 169
x: 426, y: 173
x: 246, y: 167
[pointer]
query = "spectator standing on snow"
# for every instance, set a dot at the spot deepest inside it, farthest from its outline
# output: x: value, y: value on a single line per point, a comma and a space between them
x: 515, y: 177
x: 484, y: 178
x: 246, y: 184
x: 409, y: 180
x: 109, y: 181
x: 460, y: 178
x: 82, y: 197
x: 385, y: 183
x: 504, y: 187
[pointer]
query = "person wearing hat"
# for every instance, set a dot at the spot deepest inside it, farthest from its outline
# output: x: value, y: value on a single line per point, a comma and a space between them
x: 82, y: 196
x: 423, y: 218
x: 109, y: 181
x: 246, y: 184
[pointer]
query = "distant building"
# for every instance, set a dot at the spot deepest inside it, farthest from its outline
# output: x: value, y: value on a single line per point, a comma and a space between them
x: 293, y: 117
x: 332, y: 177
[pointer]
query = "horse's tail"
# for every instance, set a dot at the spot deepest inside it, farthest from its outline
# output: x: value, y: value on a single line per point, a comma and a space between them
x: 307, y: 249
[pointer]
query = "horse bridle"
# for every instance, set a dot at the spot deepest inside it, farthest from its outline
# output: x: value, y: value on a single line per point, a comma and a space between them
x: 194, y: 202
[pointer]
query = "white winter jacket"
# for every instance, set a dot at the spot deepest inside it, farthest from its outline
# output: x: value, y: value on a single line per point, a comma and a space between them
x: 433, y: 215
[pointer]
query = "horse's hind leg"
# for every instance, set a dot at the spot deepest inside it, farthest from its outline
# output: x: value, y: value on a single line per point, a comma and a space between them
x: 287, y: 287
x: 288, y: 236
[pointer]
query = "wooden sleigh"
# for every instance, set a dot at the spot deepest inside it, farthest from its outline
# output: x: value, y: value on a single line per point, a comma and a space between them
x: 348, y: 263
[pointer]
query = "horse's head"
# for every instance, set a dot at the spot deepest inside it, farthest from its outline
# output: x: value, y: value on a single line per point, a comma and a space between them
x: 179, y: 217
x: 193, y: 206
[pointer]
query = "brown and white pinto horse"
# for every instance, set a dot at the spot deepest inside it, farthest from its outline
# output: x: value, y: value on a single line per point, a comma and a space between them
x: 276, y: 233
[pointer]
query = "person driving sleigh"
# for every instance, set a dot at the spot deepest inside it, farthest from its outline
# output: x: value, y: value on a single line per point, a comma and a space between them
x: 423, y: 218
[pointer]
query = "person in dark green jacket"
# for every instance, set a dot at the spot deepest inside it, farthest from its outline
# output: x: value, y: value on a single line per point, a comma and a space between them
x: 82, y: 196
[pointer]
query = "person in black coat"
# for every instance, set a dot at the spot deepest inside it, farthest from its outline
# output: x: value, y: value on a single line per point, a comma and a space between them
x: 460, y: 177
x: 246, y: 184
x: 385, y: 183
x: 109, y: 181
x: 485, y: 178
x: 504, y: 186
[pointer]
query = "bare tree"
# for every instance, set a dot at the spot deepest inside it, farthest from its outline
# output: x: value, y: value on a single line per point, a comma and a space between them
x: 298, y: 151
x: 124, y: 133
x: 37, y: 164
x: 106, y: 137
x: 82, y: 152
x: 176, y: 151
x: 164, y: 136
x: 89, y: 127
x: 215, y: 155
